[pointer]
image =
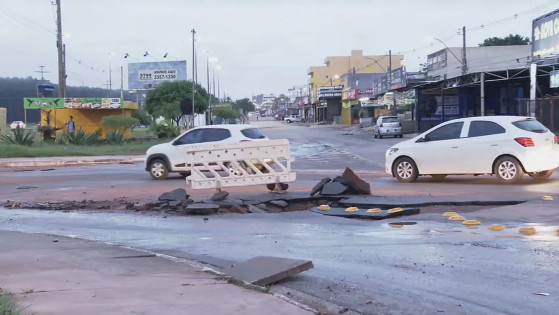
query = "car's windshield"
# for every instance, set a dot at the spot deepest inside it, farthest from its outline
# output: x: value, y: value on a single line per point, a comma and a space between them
x: 531, y: 125
x: 253, y: 133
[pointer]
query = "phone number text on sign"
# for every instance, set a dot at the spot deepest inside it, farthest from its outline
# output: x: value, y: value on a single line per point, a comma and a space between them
x: 157, y: 75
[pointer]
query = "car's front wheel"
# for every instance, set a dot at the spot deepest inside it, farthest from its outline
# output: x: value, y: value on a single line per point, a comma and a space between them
x: 405, y: 170
x: 508, y: 170
x: 541, y: 175
x: 158, y: 169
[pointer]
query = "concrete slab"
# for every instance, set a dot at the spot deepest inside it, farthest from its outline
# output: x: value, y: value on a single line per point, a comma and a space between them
x: 385, y: 202
x: 363, y: 214
x: 264, y: 270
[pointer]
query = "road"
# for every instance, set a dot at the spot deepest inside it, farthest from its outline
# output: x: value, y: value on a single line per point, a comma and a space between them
x: 430, y: 266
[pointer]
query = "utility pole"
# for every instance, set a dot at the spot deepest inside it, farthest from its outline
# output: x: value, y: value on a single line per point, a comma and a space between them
x: 59, y: 45
x: 464, y: 60
x: 193, y: 75
x: 110, y: 76
x: 42, y: 72
x: 218, y: 93
x: 122, y: 82
x: 209, y: 115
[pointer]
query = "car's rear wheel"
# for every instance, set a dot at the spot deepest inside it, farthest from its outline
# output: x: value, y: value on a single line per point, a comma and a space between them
x: 405, y: 170
x: 158, y: 169
x: 508, y: 170
x: 438, y: 176
x: 541, y: 175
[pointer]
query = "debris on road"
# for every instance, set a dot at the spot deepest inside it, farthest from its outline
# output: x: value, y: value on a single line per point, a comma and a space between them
x: 450, y: 214
x: 456, y: 218
x: 547, y: 198
x: 541, y: 293
x: 264, y: 270
x: 348, y: 183
x: 471, y: 222
x: 175, y: 195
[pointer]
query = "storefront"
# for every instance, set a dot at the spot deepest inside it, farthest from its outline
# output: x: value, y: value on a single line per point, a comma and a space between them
x: 87, y: 112
x: 329, y: 104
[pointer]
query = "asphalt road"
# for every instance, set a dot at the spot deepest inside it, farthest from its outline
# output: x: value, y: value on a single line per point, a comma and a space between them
x: 430, y: 266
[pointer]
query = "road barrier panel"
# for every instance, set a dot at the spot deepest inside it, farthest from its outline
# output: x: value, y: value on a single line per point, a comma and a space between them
x: 219, y: 165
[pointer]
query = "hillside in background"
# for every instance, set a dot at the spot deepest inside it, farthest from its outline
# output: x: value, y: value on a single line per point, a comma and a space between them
x: 13, y: 90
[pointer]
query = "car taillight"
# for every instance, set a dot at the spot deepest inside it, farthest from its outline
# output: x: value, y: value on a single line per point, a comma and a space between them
x: 556, y: 140
x: 525, y: 141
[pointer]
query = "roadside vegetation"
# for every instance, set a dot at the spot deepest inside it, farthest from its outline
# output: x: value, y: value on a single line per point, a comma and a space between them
x: 81, y: 144
x: 7, y: 306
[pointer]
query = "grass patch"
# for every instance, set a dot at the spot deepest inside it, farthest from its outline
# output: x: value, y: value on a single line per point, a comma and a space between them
x: 44, y: 149
x: 7, y: 305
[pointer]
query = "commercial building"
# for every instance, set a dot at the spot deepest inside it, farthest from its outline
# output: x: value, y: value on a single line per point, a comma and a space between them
x: 326, y: 82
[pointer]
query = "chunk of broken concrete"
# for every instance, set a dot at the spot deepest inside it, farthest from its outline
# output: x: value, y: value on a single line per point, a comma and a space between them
x: 220, y: 196
x: 357, y: 183
x: 202, y: 209
x: 175, y: 195
x: 265, y: 270
x: 334, y: 188
x: 174, y: 203
x: 255, y: 209
x: 318, y: 187
x: 280, y: 203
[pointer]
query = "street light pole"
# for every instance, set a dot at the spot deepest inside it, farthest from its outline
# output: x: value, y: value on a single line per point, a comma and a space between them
x: 209, y: 116
x: 193, y: 75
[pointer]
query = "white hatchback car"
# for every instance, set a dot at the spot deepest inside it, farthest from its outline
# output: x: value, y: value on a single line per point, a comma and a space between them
x: 507, y: 146
x: 165, y: 158
x: 388, y: 126
x: 294, y: 118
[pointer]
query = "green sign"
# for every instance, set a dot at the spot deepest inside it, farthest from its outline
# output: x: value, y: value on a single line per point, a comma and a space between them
x: 72, y: 103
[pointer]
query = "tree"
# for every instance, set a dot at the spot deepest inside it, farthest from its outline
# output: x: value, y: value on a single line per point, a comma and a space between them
x: 245, y: 104
x: 165, y: 100
x: 226, y: 112
x: 143, y: 117
x: 119, y: 123
x: 505, y: 41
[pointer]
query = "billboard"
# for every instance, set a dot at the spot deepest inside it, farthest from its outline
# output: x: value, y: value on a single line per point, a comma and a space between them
x: 147, y: 75
x: 72, y: 102
x: 545, y: 35
x: 45, y: 90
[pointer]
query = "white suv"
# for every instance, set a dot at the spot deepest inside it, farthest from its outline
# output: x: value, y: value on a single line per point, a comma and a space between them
x: 294, y: 118
x: 165, y: 158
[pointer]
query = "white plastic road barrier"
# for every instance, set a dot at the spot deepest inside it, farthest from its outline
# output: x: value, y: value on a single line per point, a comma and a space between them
x: 219, y: 165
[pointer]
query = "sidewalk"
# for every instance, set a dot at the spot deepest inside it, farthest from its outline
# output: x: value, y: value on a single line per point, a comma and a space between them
x: 57, y: 275
x: 69, y: 160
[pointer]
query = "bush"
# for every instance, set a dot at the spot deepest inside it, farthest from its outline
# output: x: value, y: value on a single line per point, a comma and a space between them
x: 19, y: 136
x: 165, y: 130
x: 79, y: 137
x: 119, y: 123
x: 115, y: 137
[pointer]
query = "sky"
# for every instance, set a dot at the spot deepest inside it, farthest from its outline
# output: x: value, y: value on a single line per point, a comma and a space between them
x: 261, y: 46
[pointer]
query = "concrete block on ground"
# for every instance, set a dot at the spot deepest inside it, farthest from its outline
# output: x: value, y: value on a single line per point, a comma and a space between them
x: 318, y: 187
x: 202, y: 209
x: 264, y: 270
x: 334, y: 188
x: 361, y: 186
x: 175, y: 195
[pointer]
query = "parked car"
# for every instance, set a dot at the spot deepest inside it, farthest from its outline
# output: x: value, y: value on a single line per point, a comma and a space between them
x: 506, y: 146
x: 169, y: 157
x: 388, y: 126
x: 17, y: 124
x: 294, y: 118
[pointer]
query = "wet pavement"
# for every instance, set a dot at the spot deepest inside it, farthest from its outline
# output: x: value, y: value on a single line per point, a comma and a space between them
x: 369, y: 267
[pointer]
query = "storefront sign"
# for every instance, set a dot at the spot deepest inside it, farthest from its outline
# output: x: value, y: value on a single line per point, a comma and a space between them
x: 330, y: 91
x: 398, y: 78
x: 545, y: 35
x: 61, y: 103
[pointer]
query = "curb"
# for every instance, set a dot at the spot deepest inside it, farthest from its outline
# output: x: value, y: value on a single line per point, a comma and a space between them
x: 68, y: 162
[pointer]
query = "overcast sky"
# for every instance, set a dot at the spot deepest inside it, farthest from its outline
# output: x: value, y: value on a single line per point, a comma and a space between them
x: 262, y: 46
